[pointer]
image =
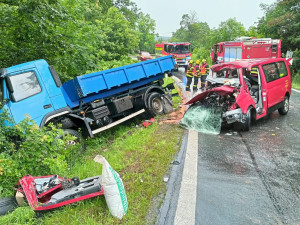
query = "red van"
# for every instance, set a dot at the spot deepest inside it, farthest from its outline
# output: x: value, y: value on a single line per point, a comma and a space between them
x: 247, y: 90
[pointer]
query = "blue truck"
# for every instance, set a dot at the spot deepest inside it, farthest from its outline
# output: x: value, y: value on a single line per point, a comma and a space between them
x: 92, y: 102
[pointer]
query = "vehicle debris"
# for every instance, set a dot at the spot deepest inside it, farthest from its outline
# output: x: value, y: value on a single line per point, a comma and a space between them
x: 202, y: 119
x: 44, y: 193
x: 148, y: 122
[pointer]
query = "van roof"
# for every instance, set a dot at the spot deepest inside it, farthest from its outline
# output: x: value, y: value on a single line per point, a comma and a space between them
x: 244, y: 63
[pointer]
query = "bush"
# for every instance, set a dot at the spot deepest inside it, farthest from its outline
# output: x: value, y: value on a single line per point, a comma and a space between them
x: 27, y: 149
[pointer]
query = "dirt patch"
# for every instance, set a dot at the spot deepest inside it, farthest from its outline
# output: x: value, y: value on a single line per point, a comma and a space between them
x: 175, y: 116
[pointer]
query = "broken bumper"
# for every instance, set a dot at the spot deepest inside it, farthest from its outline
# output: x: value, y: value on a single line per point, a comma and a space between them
x: 233, y: 116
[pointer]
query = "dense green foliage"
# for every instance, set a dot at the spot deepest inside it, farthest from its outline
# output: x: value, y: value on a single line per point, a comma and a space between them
x: 281, y: 21
x: 76, y: 36
x: 27, y: 149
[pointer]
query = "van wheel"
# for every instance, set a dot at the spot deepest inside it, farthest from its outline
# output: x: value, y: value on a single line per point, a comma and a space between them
x: 285, y: 108
x: 7, y: 205
x: 247, y: 123
x: 155, y: 104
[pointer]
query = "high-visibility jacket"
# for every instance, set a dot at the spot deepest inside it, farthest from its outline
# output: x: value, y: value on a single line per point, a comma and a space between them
x: 204, y: 68
x: 197, y: 70
x: 189, y: 70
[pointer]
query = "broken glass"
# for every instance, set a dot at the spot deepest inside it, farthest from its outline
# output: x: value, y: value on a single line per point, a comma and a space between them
x: 203, y: 119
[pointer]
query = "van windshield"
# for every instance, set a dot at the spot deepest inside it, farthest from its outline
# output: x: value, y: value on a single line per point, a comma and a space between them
x: 222, y: 76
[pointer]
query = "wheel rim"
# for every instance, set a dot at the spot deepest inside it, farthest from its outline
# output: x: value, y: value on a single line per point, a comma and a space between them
x: 74, y: 142
x: 157, y: 105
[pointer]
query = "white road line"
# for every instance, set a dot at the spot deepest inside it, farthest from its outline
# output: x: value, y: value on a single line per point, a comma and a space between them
x: 186, y: 207
x: 295, y: 90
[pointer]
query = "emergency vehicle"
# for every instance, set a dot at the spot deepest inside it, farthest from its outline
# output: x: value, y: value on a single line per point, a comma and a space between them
x: 246, y: 48
x: 181, y: 51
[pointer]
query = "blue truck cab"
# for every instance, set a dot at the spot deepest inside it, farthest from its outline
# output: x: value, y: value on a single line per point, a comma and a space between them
x: 91, y: 102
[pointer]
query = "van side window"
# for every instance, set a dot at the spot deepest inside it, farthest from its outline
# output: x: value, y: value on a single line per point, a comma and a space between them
x: 274, y: 71
x: 25, y: 85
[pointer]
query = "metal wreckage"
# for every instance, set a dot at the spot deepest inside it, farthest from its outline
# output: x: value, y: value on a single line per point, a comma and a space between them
x: 239, y: 93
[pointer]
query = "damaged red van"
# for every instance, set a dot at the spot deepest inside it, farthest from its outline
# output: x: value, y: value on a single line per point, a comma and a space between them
x: 247, y: 90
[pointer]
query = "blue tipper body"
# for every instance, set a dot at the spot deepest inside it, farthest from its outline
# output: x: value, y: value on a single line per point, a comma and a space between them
x: 106, y: 83
x: 53, y: 99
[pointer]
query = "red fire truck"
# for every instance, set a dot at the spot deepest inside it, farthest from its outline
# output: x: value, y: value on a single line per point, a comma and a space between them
x: 245, y: 48
x: 181, y: 50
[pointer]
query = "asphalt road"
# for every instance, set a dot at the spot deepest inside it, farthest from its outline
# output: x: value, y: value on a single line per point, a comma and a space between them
x: 251, y: 177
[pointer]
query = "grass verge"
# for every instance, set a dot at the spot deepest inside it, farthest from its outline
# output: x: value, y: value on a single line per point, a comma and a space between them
x: 296, y: 82
x: 141, y: 156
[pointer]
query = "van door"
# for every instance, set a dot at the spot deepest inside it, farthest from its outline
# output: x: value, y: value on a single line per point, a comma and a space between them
x: 29, y: 97
x: 276, y: 76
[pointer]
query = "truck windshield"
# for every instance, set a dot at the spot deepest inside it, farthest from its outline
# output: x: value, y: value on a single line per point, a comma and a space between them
x: 180, y: 49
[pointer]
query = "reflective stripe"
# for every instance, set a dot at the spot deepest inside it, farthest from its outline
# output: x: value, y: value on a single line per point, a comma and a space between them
x: 203, y: 69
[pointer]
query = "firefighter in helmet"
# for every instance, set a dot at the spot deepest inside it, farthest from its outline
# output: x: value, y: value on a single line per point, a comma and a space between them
x: 197, y: 76
x: 189, y: 75
x: 204, y: 69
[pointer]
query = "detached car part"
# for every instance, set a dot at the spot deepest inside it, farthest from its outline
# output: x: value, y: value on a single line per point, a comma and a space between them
x: 49, y: 192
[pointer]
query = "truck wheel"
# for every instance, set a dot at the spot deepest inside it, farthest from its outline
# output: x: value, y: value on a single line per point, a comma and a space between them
x: 155, y: 104
x: 285, y: 108
x: 7, y: 205
x: 78, y: 136
x: 247, y: 123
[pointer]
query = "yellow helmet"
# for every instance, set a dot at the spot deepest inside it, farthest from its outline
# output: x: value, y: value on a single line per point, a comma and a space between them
x: 254, y: 71
x: 197, y: 61
x: 191, y: 61
x: 203, y: 60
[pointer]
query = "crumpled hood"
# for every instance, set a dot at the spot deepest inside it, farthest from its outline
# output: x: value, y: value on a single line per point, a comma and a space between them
x: 223, y: 90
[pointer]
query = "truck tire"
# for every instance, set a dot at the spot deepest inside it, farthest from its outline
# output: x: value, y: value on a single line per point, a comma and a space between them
x: 285, y: 108
x: 78, y: 139
x: 7, y: 205
x: 155, y: 104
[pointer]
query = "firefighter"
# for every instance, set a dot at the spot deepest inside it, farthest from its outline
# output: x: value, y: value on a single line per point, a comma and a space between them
x: 204, y: 69
x: 189, y: 75
x: 197, y: 76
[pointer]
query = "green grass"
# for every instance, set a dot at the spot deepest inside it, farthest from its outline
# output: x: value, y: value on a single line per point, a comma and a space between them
x: 140, y: 155
x: 296, y: 82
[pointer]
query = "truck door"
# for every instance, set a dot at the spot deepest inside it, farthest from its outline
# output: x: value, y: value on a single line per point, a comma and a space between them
x: 29, y: 96
x: 276, y: 81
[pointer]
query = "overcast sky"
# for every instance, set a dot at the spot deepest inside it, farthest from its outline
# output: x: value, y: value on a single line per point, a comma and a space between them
x: 168, y: 13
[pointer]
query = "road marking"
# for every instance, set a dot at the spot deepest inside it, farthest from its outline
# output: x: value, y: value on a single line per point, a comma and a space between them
x: 186, y: 207
x: 295, y: 90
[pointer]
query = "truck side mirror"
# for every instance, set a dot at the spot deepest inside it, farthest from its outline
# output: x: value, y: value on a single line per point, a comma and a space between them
x: 10, y: 88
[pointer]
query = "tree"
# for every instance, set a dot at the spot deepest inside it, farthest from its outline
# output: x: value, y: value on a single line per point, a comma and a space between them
x: 73, y: 35
x: 282, y: 21
x: 229, y: 30
x: 191, y: 30
x: 146, y: 31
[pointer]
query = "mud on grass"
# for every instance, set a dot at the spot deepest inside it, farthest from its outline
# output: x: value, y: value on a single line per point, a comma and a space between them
x: 141, y: 156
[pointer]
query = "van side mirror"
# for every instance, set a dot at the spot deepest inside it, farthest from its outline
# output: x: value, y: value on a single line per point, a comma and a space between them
x: 10, y: 88
x: 3, y: 72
